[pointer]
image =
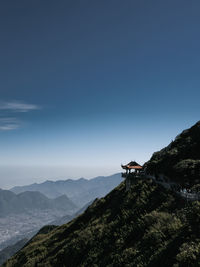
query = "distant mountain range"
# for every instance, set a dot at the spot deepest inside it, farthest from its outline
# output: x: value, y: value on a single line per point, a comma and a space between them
x: 29, y: 201
x: 148, y: 225
x: 79, y: 191
x: 26, y: 210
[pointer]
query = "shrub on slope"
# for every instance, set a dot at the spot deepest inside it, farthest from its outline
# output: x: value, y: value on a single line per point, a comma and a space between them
x: 146, y: 226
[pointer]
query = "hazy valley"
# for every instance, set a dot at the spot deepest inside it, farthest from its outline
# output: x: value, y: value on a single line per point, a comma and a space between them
x: 100, y: 89
x: 145, y: 225
x: 22, y: 214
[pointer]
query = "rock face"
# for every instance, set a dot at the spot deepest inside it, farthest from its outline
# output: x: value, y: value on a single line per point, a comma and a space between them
x: 180, y: 160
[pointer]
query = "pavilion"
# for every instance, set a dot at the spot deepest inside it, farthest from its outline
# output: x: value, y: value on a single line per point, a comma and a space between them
x: 133, y: 170
x: 132, y: 166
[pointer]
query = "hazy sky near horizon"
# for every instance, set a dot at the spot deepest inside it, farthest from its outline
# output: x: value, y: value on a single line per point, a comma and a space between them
x: 88, y: 85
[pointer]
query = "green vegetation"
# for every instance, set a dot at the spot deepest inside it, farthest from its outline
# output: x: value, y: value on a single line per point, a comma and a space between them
x: 146, y: 226
x: 7, y: 252
x: 180, y: 161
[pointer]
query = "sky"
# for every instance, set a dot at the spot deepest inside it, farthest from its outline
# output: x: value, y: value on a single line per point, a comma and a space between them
x: 86, y: 85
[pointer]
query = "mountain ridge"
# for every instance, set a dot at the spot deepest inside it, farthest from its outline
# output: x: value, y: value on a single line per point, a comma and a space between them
x: 80, y: 191
x: 147, y: 225
x: 180, y: 160
x: 31, y: 200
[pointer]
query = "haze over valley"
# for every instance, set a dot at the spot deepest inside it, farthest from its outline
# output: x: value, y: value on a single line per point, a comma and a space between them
x: 24, y: 210
x: 99, y: 133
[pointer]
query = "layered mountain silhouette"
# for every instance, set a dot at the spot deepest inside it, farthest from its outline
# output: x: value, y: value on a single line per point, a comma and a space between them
x: 147, y: 225
x: 28, y: 201
x: 80, y: 191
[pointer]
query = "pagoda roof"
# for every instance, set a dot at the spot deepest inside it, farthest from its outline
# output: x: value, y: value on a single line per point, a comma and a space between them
x: 132, y: 165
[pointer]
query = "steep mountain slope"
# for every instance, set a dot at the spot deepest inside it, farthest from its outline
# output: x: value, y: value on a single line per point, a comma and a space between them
x: 180, y: 160
x: 7, y: 252
x: 28, y: 201
x: 67, y: 218
x: 10, y: 250
x: 146, y: 226
x: 79, y: 191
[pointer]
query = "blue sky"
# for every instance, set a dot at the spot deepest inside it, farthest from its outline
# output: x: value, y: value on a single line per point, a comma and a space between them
x: 88, y: 85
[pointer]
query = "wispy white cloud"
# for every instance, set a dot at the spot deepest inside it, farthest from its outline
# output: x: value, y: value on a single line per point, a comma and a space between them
x: 9, y: 127
x: 8, y: 124
x: 18, y: 106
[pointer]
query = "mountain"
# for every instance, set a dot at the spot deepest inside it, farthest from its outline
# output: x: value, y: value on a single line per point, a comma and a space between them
x: 22, y: 214
x: 67, y: 218
x: 180, y: 160
x: 29, y: 201
x: 10, y: 250
x: 148, y: 225
x: 145, y: 226
x: 7, y: 252
x: 80, y: 191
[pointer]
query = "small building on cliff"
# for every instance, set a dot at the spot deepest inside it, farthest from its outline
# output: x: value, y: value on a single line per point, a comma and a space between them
x: 133, y: 170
